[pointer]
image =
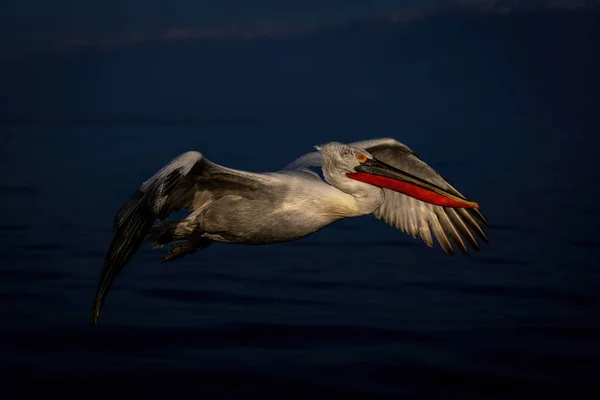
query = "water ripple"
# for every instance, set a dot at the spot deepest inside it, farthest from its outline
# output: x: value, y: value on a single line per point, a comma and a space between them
x: 503, y: 261
x: 29, y: 275
x: 90, y: 254
x: 253, y: 334
x: 477, y: 381
x: 362, y: 244
x: 515, y: 228
x: 7, y: 190
x: 588, y: 244
x: 43, y: 247
x: 14, y: 227
x: 151, y: 383
x: 522, y: 292
x: 211, y: 296
x: 291, y: 282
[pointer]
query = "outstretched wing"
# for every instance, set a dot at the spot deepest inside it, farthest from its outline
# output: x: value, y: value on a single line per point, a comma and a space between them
x: 420, y: 219
x: 177, y: 185
x: 412, y: 216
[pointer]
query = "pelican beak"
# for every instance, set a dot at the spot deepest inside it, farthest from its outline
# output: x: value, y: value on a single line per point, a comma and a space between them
x: 380, y: 174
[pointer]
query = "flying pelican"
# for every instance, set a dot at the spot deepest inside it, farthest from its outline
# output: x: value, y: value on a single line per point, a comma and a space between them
x: 382, y: 177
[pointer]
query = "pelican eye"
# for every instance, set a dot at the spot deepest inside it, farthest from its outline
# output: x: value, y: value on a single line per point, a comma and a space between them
x: 361, y: 157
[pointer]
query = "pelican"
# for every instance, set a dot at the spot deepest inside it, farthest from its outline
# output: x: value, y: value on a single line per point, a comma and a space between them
x: 382, y: 177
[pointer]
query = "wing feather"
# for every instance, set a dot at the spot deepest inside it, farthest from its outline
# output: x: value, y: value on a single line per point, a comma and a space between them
x: 420, y: 219
x: 170, y: 189
x: 440, y: 235
x: 462, y: 228
x: 472, y: 223
x: 450, y: 229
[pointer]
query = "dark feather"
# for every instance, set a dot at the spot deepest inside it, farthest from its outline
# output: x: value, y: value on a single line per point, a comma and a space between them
x: 132, y: 223
x: 462, y: 228
x: 450, y: 230
x: 177, y: 185
x: 472, y: 223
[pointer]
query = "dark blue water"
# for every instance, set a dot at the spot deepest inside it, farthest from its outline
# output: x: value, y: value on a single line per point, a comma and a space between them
x: 357, y: 308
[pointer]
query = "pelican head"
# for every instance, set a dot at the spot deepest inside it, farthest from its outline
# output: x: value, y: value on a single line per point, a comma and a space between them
x: 339, y: 160
x: 355, y: 171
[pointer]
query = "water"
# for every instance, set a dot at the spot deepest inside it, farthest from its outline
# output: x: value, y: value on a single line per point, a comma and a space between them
x: 357, y: 308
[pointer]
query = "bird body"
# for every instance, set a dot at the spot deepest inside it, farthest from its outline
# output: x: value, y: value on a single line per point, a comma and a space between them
x: 381, y: 177
x: 285, y: 209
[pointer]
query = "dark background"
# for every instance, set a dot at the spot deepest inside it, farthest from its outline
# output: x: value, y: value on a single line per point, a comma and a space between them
x: 500, y: 97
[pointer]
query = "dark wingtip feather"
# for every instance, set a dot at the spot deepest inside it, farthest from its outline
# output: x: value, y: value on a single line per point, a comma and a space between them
x: 461, y: 246
x: 133, y: 221
x: 479, y: 216
x: 462, y: 228
x: 472, y: 223
x: 440, y: 236
x: 127, y: 208
x: 450, y: 230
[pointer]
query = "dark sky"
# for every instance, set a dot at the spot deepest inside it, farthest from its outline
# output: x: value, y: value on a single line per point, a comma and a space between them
x: 29, y: 25
x: 33, y: 24
x: 184, y: 60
